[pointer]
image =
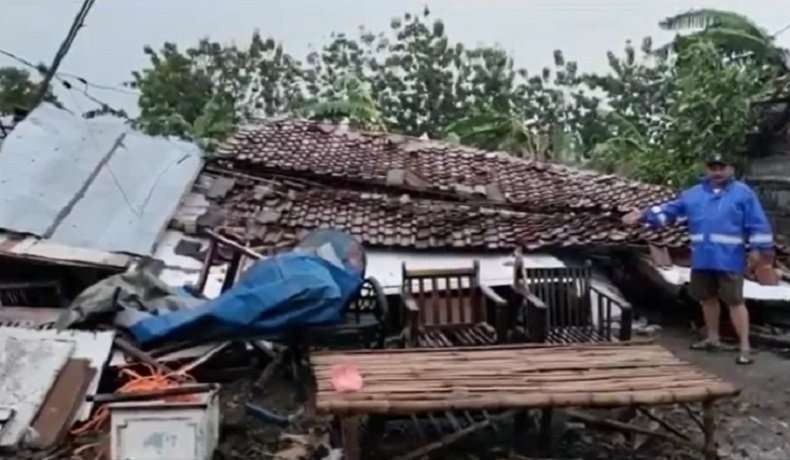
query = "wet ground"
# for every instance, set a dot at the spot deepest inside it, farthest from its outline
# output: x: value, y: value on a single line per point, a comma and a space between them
x: 754, y: 426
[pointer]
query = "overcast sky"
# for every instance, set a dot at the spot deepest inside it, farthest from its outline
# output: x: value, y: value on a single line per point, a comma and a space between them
x: 110, y: 46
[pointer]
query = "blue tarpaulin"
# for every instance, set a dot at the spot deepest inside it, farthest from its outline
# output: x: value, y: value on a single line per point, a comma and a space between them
x: 276, y: 295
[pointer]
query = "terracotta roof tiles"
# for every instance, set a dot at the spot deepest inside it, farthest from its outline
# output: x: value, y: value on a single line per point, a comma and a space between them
x: 331, y: 152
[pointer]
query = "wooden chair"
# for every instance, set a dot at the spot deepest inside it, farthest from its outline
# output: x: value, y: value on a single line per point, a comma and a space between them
x: 450, y: 307
x: 560, y: 305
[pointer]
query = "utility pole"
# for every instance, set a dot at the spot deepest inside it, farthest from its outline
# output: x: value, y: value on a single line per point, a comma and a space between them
x: 76, y: 25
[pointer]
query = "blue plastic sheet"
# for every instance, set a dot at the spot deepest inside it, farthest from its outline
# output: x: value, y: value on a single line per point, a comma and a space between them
x: 276, y: 295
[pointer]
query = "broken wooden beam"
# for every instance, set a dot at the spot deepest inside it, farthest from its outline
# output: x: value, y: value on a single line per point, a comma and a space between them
x: 451, y: 438
x: 238, y: 247
x: 621, y: 426
x: 663, y: 423
x: 132, y: 350
x: 521, y: 457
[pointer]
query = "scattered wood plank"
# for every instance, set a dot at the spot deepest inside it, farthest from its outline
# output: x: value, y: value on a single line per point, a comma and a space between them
x: 451, y: 438
x: 663, y: 423
x: 137, y: 353
x: 54, y: 419
x: 621, y: 426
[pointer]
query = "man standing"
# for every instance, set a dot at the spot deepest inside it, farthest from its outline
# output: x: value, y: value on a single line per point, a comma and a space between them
x: 724, y: 219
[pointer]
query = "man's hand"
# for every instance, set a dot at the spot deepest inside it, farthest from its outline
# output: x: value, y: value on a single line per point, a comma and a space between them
x: 632, y: 218
x: 757, y: 258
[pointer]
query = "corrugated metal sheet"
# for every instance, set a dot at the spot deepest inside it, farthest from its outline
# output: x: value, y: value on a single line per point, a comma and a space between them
x: 28, y: 368
x: 676, y: 277
x: 31, y: 247
x: 34, y: 248
x: 93, y: 346
x: 92, y: 183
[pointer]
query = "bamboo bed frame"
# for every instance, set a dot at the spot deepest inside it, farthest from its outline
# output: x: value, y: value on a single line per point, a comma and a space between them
x: 413, y: 381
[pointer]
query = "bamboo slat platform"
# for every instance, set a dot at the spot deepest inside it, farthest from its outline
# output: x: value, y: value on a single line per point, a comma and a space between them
x: 411, y: 381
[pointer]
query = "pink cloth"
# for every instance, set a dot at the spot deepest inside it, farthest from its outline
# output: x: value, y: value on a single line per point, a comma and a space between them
x: 346, y: 378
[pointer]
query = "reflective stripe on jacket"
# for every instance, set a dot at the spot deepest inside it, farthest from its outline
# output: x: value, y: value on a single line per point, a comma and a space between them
x: 721, y: 224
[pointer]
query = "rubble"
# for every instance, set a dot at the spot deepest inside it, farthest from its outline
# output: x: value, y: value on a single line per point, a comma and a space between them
x: 276, y: 182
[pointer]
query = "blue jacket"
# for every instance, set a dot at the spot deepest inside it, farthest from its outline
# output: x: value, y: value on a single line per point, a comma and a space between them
x: 721, y: 225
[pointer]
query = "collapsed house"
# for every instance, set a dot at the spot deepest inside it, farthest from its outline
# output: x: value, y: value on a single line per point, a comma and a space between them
x: 424, y: 202
x: 81, y: 201
x: 436, y: 204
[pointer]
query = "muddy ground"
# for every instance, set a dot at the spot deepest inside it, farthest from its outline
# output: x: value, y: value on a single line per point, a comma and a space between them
x: 754, y: 426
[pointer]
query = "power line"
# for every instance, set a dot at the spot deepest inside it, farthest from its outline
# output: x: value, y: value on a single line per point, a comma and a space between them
x: 80, y: 79
x: 76, y: 25
x: 99, y: 86
x: 68, y: 85
x: 19, y: 59
x: 781, y: 31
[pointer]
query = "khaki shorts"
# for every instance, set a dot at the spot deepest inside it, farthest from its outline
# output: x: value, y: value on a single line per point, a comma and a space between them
x: 708, y: 284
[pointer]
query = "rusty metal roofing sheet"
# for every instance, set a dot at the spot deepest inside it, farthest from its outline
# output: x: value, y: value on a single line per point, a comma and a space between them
x: 94, y: 184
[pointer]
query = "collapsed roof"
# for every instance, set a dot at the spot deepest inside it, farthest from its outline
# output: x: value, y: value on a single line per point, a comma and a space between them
x: 293, y: 176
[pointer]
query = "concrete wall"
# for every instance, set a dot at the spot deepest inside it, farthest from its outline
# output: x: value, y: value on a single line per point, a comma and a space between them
x: 770, y: 177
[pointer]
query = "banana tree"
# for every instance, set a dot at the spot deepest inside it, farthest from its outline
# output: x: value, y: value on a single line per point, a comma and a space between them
x: 733, y: 34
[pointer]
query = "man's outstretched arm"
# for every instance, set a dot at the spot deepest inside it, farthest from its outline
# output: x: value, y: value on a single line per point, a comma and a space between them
x: 658, y: 216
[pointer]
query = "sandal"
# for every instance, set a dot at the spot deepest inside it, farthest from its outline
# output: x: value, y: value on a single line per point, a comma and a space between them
x: 707, y: 345
x: 744, y: 359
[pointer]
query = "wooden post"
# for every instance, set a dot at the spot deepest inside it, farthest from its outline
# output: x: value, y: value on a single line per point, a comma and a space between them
x: 233, y: 271
x: 709, y: 422
x: 207, y: 261
x: 520, y: 428
x: 545, y: 429
x: 349, y: 432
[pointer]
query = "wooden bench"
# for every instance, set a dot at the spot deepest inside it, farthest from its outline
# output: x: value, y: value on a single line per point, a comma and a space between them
x: 415, y: 381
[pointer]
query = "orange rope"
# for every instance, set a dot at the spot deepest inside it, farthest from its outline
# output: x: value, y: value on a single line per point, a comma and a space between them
x: 136, y: 383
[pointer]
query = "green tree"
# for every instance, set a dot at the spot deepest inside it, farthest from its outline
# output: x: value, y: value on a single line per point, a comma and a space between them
x: 351, y: 101
x: 203, y: 92
x: 735, y: 35
x: 707, y: 109
x: 420, y: 80
x: 710, y: 111
x: 504, y: 131
x: 18, y: 91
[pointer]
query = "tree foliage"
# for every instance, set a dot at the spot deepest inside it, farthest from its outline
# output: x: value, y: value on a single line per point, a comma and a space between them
x: 421, y: 81
x: 203, y: 92
x: 18, y: 91
x: 733, y: 34
x: 651, y: 115
x: 350, y: 102
x: 706, y: 109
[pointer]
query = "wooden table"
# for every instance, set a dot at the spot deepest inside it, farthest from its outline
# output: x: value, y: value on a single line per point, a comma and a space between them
x: 412, y: 381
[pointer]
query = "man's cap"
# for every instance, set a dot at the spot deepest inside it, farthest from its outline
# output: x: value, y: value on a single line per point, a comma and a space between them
x: 717, y: 158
